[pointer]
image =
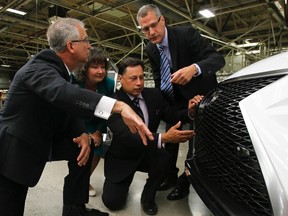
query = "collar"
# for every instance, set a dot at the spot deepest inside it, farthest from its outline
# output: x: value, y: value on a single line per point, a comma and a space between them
x: 132, y: 97
x: 165, y: 40
x: 69, y: 72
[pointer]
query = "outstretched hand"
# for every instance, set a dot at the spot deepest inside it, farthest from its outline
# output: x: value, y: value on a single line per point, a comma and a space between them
x: 135, y: 123
x: 174, y: 135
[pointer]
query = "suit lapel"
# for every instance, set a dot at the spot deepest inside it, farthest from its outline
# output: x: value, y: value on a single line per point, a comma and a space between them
x: 121, y: 95
x: 155, y: 54
x: 149, y: 99
x: 172, y: 48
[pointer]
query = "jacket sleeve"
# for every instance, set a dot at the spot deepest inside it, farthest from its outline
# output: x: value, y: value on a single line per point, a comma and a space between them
x: 171, y: 113
x: 206, y: 56
x: 46, y: 82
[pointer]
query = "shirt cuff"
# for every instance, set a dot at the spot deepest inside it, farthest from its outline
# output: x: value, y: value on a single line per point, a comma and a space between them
x: 198, y: 70
x: 159, y: 145
x: 104, y: 107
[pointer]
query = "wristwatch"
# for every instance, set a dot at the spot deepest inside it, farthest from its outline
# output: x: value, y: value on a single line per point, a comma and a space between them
x: 197, y: 71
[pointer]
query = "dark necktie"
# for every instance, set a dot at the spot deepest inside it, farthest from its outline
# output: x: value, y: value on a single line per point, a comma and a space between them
x: 139, y: 110
x: 166, y: 86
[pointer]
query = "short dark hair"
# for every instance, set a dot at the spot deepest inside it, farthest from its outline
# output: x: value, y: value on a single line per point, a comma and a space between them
x: 96, y: 56
x: 129, y: 61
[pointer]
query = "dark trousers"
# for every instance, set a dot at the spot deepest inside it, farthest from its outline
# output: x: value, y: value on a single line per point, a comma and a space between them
x: 154, y: 163
x: 76, y: 184
x: 12, y: 197
x: 173, y: 150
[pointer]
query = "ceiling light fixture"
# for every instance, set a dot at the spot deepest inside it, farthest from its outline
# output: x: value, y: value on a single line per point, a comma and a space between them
x: 248, y: 44
x: 22, y: 13
x: 6, y: 65
x: 207, y: 13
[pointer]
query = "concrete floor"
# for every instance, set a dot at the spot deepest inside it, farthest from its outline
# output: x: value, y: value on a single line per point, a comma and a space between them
x: 45, y: 199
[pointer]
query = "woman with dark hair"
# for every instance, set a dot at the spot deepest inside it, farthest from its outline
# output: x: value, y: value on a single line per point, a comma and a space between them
x: 93, y: 77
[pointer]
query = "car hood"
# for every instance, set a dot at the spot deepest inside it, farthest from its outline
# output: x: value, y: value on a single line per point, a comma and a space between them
x: 274, y: 64
x: 265, y: 113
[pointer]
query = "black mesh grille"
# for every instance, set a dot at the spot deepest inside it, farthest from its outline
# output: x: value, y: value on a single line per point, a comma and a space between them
x: 223, y: 147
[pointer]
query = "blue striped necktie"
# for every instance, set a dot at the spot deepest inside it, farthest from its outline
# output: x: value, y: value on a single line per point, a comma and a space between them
x: 166, y: 86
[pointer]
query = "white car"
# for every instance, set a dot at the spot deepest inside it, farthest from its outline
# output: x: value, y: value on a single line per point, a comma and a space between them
x: 240, y: 161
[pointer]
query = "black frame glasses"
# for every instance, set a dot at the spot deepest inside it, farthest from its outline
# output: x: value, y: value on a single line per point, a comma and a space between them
x: 152, y: 25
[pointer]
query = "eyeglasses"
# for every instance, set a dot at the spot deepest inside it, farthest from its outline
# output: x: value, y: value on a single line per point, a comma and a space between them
x: 152, y: 25
x: 85, y: 40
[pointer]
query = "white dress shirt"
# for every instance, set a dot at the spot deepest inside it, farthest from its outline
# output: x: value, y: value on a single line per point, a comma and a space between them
x: 144, y: 109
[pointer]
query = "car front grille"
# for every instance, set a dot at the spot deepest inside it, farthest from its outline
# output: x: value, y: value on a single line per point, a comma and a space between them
x: 223, y: 148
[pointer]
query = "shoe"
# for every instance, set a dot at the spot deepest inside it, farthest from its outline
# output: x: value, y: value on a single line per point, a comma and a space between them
x: 167, y: 184
x: 92, y: 191
x: 81, y: 210
x: 150, y: 208
x: 179, y: 192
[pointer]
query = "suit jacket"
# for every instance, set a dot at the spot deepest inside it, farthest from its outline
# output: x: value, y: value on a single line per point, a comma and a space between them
x: 187, y: 47
x: 40, y: 109
x: 126, y: 149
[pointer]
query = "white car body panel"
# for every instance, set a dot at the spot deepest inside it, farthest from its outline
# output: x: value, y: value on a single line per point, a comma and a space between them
x: 276, y: 62
x: 266, y: 116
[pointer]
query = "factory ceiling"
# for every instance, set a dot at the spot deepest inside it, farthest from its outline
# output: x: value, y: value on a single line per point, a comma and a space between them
x: 254, y: 28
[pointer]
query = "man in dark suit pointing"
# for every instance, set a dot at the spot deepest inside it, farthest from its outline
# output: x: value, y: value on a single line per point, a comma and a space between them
x: 40, y: 121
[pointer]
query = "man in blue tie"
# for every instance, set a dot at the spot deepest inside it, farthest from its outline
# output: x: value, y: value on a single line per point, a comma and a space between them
x: 127, y: 154
x: 193, y: 64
